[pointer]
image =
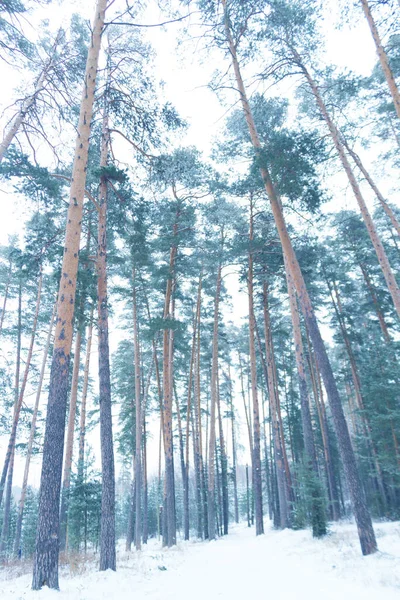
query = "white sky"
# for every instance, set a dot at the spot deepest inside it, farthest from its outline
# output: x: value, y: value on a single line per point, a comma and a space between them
x: 186, y: 87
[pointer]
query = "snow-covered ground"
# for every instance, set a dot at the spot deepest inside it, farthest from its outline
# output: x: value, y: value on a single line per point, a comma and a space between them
x: 281, y: 565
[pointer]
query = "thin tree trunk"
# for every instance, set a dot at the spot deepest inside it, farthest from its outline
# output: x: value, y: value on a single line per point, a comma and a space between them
x: 107, y: 529
x: 256, y: 454
x: 246, y: 412
x: 82, y: 422
x: 214, y: 392
x: 389, y: 212
x: 234, y: 450
x: 138, y: 414
x: 363, y: 518
x: 196, y: 324
x: 224, y: 470
x: 20, y: 398
x: 383, y: 58
x: 27, y: 104
x: 170, y: 517
x: 45, y: 570
x: 21, y: 504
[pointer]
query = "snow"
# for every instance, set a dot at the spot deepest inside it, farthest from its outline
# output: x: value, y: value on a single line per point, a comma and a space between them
x: 281, y: 565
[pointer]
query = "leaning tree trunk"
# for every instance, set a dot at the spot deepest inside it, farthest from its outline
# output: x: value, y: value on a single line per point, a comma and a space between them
x: 45, y: 570
x: 29, y: 101
x: 70, y: 440
x: 369, y: 223
x: 20, y: 392
x: 383, y: 58
x: 361, y: 512
x: 212, y: 434
x: 389, y: 212
x: 21, y: 504
x: 107, y: 529
x: 256, y: 454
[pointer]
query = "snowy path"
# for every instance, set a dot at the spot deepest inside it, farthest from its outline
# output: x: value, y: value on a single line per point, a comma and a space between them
x: 284, y: 565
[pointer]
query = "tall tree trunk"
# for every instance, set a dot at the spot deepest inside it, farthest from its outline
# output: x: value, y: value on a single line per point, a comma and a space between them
x: 256, y: 454
x: 214, y: 392
x: 363, y: 518
x: 317, y: 505
x: 369, y: 223
x: 201, y: 492
x: 21, y: 504
x: 196, y: 325
x: 107, y: 529
x: 82, y: 421
x: 234, y: 450
x: 383, y: 58
x: 5, y: 530
x: 70, y: 440
x: 246, y: 412
x: 45, y: 571
x: 169, y: 511
x: 224, y: 471
x: 20, y: 392
x: 138, y: 413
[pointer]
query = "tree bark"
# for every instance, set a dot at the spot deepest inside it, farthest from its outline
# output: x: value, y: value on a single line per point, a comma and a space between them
x: 107, y: 529
x: 363, y: 518
x: 383, y: 58
x: 45, y: 570
x: 70, y: 441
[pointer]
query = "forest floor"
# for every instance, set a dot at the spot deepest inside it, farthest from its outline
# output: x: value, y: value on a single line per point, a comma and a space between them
x: 283, y: 565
